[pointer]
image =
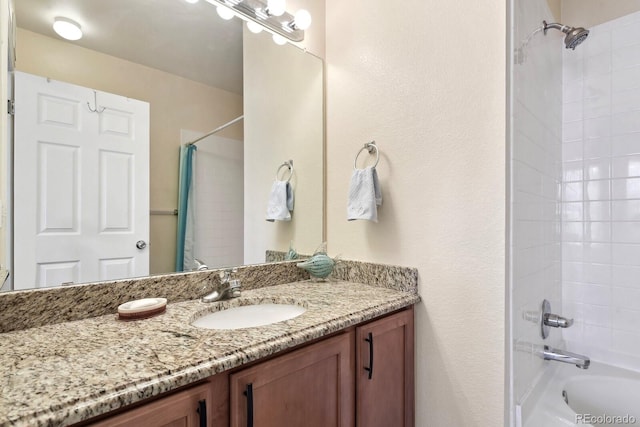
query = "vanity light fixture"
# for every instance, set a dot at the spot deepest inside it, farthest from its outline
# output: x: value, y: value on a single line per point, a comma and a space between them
x: 279, y: 40
x: 276, y: 7
x: 254, y: 27
x: 192, y: 1
x: 224, y: 12
x: 67, y: 28
x: 301, y: 20
x: 270, y: 15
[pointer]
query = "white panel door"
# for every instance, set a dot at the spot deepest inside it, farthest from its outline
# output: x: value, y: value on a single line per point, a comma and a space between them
x: 81, y: 186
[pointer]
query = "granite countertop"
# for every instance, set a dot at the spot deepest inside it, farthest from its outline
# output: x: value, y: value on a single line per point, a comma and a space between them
x: 60, y: 374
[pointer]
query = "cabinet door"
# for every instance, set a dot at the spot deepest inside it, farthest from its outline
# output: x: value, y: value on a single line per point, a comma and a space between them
x: 384, y: 372
x: 310, y: 387
x: 182, y: 409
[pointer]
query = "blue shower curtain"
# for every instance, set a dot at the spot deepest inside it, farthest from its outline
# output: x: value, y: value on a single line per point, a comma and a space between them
x: 186, y: 214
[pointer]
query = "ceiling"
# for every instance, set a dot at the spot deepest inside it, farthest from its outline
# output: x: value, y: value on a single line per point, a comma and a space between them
x: 188, y: 40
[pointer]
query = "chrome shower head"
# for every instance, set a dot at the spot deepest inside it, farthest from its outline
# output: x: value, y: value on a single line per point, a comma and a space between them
x: 574, y: 35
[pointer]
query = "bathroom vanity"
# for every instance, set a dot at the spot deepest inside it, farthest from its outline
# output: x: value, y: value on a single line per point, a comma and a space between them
x: 314, y: 385
x: 348, y: 360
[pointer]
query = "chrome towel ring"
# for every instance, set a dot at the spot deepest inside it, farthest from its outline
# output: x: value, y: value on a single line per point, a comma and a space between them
x: 288, y: 164
x: 370, y: 147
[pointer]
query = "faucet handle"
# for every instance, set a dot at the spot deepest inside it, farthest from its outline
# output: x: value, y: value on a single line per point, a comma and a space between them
x: 227, y: 272
x: 234, y: 288
x: 556, y: 321
x: 551, y: 320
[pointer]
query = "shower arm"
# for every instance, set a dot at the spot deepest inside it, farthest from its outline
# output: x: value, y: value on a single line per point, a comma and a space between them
x: 564, y: 28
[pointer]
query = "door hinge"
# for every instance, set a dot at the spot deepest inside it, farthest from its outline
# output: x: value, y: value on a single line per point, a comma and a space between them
x: 11, y: 107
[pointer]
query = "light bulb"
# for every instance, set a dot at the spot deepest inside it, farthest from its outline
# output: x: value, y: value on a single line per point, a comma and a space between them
x: 192, y: 1
x: 276, y: 7
x: 224, y: 12
x: 254, y: 27
x: 67, y: 28
x: 279, y: 40
x: 302, y: 19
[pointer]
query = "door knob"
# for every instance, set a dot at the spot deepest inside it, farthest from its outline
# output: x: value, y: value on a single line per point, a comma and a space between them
x: 141, y: 244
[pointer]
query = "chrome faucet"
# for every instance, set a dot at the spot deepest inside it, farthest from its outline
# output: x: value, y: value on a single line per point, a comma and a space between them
x: 579, y: 360
x: 229, y: 288
x: 549, y: 319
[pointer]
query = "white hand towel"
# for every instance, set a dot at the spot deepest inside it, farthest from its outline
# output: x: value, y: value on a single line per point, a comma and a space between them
x: 280, y: 202
x: 364, y: 195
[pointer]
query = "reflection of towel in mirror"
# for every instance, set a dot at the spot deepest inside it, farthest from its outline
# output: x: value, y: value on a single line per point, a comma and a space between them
x: 280, y: 202
x: 364, y: 195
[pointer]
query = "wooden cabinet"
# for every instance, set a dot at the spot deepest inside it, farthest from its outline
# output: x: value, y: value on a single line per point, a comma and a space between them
x: 186, y: 408
x: 384, y: 372
x: 362, y: 377
x: 312, y: 386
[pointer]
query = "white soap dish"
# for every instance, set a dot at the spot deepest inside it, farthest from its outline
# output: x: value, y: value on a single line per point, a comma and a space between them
x: 142, y: 308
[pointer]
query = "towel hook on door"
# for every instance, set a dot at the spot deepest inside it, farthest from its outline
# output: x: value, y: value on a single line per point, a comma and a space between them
x: 95, y: 102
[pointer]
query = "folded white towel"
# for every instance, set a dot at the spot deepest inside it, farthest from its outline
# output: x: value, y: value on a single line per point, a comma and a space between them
x: 280, y: 202
x: 364, y: 195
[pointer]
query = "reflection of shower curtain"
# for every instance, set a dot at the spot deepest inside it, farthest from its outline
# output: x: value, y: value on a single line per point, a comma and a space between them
x: 186, y: 210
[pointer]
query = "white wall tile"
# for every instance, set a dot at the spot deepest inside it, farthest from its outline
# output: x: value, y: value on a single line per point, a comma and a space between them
x: 599, y: 168
x: 572, y: 131
x: 625, y: 254
x: 625, y: 79
x: 626, y: 167
x: 599, y: 64
x: 628, y: 56
x: 601, y: 268
x: 625, y: 232
x: 598, y: 190
x: 625, y: 144
x: 624, y: 123
x: 628, y: 188
x: 625, y: 342
x: 599, y: 43
x: 625, y: 35
x: 625, y: 276
x: 597, y: 211
x: 598, y: 128
x: 621, y: 102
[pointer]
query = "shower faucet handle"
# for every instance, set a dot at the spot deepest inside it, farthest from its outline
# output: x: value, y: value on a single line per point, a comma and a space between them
x: 556, y: 321
x: 549, y: 319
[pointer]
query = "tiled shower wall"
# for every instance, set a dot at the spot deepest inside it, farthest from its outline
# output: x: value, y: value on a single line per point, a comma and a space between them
x: 601, y: 193
x: 535, y: 193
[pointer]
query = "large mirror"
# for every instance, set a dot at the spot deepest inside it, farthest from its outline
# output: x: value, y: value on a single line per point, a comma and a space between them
x: 196, y: 72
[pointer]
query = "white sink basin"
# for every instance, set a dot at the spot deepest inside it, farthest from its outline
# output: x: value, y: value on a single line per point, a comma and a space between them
x: 248, y: 316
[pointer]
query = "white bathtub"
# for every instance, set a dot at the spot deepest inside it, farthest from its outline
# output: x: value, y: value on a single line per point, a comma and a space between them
x: 600, y: 395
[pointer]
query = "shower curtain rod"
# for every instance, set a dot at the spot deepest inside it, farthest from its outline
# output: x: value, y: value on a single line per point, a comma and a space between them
x: 218, y: 129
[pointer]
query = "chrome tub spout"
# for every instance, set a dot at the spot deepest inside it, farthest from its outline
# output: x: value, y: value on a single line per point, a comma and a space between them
x: 579, y: 360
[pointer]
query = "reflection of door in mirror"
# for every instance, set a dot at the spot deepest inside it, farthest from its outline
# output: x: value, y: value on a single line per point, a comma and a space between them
x: 83, y: 209
x: 175, y: 103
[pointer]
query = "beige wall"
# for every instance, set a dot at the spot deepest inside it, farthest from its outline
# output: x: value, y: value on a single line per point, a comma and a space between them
x: 283, y: 89
x: 556, y: 9
x: 433, y: 98
x: 175, y: 103
x: 587, y: 13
